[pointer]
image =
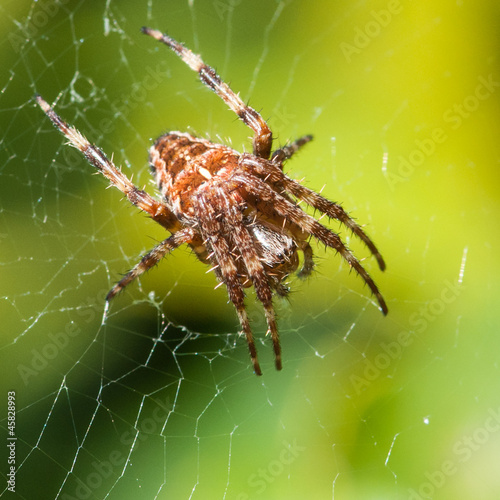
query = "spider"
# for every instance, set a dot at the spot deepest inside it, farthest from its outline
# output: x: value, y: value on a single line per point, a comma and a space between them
x: 239, y: 212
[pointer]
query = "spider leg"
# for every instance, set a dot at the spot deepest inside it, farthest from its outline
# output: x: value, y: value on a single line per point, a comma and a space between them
x: 333, y: 210
x: 213, y: 230
x: 269, y: 202
x: 308, y: 264
x: 157, y: 210
x: 152, y: 258
x: 286, y: 152
x: 263, y: 137
x: 256, y: 272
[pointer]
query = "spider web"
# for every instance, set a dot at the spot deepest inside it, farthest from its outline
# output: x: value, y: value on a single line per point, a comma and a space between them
x: 154, y: 396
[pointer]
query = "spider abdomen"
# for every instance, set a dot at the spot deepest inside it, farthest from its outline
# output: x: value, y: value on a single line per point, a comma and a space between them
x: 183, y: 165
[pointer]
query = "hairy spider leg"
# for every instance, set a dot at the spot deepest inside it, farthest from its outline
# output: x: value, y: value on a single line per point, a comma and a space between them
x: 315, y: 200
x: 158, y: 211
x: 263, y: 137
x: 256, y: 272
x: 308, y: 264
x: 286, y: 152
x: 220, y: 234
x: 152, y: 258
x: 225, y: 268
x: 333, y: 210
x: 269, y: 202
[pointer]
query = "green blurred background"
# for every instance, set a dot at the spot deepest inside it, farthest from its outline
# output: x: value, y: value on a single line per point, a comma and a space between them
x: 157, y: 399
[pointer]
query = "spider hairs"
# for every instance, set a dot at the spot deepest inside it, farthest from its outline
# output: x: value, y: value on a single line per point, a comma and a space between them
x: 239, y: 212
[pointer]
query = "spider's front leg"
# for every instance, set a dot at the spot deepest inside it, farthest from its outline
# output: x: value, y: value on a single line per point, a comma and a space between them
x: 263, y: 137
x: 158, y: 211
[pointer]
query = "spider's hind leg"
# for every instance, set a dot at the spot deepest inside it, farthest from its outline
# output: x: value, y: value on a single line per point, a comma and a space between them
x: 332, y: 210
x: 274, y: 205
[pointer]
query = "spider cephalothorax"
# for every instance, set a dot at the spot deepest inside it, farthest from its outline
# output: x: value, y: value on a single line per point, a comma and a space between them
x: 238, y: 211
